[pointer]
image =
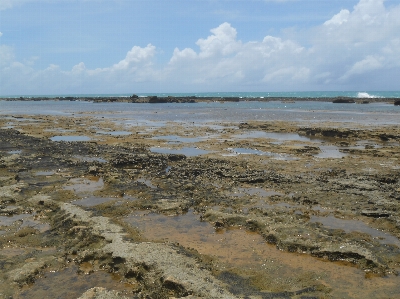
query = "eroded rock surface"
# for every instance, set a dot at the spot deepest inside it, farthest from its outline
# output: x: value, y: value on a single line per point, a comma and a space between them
x: 65, y: 204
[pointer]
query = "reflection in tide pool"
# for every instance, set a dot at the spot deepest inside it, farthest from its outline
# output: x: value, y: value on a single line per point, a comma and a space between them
x: 70, y: 138
x: 114, y: 133
x: 281, y: 137
x: 354, y: 226
x: 187, y: 151
x: 26, y: 220
x: 178, y: 139
x: 249, y: 252
x: 85, y: 185
x: 68, y: 283
x: 248, y: 151
x: 330, y: 151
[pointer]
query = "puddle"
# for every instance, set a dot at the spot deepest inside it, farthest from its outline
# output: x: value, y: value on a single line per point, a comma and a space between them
x: 70, y: 138
x: 189, y: 231
x: 354, y: 225
x: 147, y: 183
x: 90, y: 159
x: 330, y: 151
x: 255, y: 191
x: 152, y: 125
x: 321, y: 209
x: 92, y: 201
x: 214, y: 126
x: 281, y: 137
x: 129, y: 198
x: 85, y: 185
x: 249, y: 252
x: 247, y: 151
x: 9, y: 220
x: 114, y: 133
x: 15, y: 152
x: 28, y: 220
x: 68, y: 283
x: 187, y: 151
x: 44, y: 173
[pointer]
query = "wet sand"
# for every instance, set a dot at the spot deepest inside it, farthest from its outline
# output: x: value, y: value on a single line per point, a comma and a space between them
x: 262, y: 209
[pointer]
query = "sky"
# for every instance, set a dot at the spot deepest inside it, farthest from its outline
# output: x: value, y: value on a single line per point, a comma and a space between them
x: 144, y: 46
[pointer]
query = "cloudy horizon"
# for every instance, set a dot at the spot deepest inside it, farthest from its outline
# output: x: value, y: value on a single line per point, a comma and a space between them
x: 117, y: 46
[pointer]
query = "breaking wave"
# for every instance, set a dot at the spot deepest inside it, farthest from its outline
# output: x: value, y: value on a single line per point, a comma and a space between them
x: 366, y: 95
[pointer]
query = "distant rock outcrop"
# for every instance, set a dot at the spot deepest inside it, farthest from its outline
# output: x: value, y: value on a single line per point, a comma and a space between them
x: 343, y: 100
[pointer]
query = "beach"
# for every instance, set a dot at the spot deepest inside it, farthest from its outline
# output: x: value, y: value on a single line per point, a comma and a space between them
x: 199, y: 198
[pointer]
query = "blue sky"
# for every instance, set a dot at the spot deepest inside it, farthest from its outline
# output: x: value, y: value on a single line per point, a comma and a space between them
x: 128, y: 46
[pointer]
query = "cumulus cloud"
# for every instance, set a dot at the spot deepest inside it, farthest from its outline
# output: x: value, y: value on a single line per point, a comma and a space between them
x: 1, y: 34
x: 339, y: 19
x: 223, y: 41
x: 354, y: 43
x: 368, y: 64
x: 221, y: 56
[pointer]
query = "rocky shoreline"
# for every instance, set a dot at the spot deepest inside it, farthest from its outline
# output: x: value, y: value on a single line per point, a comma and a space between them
x: 117, y: 217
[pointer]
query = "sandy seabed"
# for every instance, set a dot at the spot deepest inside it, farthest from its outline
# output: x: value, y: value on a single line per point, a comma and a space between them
x: 93, y: 208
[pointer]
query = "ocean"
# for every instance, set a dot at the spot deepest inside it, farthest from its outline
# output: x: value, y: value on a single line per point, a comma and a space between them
x: 374, y: 113
x: 301, y: 94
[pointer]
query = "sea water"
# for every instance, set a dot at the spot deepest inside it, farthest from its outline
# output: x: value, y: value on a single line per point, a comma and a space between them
x: 295, y: 94
x: 376, y: 113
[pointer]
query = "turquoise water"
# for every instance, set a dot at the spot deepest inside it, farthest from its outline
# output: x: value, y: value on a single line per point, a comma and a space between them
x: 302, y: 94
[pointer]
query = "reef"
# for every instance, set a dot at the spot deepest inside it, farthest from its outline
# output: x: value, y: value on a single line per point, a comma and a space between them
x: 291, y: 211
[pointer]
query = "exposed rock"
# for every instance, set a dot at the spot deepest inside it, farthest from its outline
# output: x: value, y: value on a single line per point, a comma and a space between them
x: 375, y: 213
x: 181, y: 273
x: 344, y: 100
x: 27, y: 273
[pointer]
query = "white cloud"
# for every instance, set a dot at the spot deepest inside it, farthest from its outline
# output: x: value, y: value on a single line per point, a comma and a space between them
x: 339, y: 19
x: 136, y: 57
x: 1, y: 34
x: 79, y: 68
x: 222, y: 60
x: 290, y: 74
x: 368, y: 64
x: 223, y: 41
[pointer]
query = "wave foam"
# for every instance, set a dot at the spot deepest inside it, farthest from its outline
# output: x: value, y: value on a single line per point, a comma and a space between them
x: 366, y: 95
